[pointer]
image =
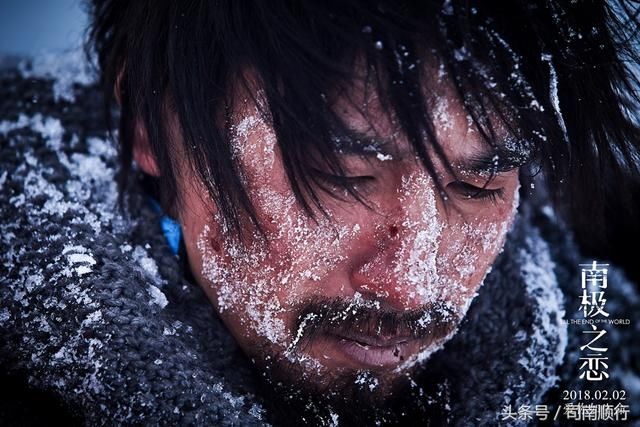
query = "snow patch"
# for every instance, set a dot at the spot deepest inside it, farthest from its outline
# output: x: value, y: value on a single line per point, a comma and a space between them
x: 67, y: 69
x: 157, y: 297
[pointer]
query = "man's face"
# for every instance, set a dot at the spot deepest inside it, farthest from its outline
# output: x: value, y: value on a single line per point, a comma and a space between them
x: 363, y: 296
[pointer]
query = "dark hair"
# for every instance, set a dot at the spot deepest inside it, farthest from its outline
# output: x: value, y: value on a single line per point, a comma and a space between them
x: 557, y: 74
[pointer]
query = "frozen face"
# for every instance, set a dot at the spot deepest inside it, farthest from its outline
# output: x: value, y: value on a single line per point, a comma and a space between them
x: 363, y: 297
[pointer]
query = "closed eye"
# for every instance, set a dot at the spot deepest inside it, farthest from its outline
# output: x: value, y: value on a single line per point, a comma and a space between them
x: 472, y: 192
x: 344, y: 180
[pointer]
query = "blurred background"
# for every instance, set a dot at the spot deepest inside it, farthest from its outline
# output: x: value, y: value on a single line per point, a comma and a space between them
x: 28, y: 27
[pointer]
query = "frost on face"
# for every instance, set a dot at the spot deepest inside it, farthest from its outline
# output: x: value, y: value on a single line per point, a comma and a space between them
x: 261, y: 269
x: 416, y: 259
x: 442, y: 114
x: 431, y: 261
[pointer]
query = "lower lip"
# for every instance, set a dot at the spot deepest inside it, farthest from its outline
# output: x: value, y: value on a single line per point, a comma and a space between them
x: 375, y: 355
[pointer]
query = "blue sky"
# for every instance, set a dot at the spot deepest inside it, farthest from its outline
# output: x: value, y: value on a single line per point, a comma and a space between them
x: 31, y: 26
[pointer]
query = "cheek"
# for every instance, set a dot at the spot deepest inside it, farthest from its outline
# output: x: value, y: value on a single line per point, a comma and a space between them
x: 255, y: 285
x: 470, y: 247
x: 439, y: 258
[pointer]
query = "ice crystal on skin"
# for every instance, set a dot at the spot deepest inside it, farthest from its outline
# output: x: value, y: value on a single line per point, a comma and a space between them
x: 243, y: 130
x: 441, y: 113
x: 300, y: 332
x: 416, y: 258
x: 490, y: 237
x: 262, y: 304
x: 259, y: 299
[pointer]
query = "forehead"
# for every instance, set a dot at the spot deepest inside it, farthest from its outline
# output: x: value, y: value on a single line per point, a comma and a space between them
x: 361, y: 107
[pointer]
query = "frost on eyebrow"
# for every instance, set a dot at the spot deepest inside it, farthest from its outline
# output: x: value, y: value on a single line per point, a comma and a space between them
x: 506, y: 156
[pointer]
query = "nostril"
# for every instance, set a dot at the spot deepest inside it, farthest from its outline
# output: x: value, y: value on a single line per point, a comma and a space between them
x: 393, y: 230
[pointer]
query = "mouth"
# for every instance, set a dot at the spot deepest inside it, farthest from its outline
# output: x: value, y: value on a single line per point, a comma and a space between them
x: 368, y: 351
x: 339, y: 334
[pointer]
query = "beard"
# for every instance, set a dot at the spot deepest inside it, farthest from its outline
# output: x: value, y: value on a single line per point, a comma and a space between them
x: 303, y: 392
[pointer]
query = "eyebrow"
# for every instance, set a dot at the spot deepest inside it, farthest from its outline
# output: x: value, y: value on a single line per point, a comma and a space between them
x: 491, y: 159
x: 495, y: 159
x: 360, y: 144
x: 357, y: 143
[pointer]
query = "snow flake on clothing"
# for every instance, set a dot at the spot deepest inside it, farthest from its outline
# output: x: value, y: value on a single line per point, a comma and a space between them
x: 82, y: 310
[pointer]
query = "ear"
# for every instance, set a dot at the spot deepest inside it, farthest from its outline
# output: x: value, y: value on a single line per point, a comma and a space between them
x: 142, y: 153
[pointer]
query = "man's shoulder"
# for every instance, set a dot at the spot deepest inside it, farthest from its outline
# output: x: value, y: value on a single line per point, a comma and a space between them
x: 93, y: 306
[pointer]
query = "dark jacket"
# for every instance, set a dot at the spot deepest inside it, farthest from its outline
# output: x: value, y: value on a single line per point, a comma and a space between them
x: 99, y: 325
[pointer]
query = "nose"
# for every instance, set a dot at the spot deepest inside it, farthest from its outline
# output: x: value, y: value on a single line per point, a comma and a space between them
x: 396, y: 255
x: 374, y: 274
x: 397, y: 267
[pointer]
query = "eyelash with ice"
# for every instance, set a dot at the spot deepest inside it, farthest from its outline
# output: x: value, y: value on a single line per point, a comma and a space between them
x: 463, y: 189
x: 360, y: 180
x: 472, y: 192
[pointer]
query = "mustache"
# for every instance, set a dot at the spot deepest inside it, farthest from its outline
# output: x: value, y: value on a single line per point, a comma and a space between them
x: 337, y: 316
